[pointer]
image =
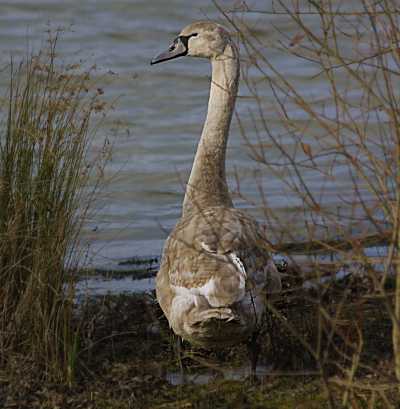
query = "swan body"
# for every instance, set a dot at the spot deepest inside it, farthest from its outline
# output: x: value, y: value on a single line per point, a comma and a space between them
x: 215, y: 274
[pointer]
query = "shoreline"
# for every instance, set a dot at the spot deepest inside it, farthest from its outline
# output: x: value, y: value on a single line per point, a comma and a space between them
x: 127, y: 352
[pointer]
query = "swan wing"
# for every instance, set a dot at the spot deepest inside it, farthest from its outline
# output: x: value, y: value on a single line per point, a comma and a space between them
x: 217, y: 254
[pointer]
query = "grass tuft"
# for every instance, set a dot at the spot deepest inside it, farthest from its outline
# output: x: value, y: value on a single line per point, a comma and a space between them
x: 44, y: 185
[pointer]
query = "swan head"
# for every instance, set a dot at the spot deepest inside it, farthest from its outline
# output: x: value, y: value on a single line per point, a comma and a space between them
x: 203, y: 39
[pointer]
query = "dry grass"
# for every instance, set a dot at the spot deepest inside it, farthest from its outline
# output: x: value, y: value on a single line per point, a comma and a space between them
x: 44, y: 198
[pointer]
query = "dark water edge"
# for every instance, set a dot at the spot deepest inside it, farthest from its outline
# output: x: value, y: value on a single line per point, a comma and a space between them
x: 129, y: 359
x: 137, y: 274
x: 131, y: 275
x: 132, y: 360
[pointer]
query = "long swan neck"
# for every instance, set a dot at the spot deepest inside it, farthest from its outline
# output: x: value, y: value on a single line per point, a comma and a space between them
x: 207, y: 184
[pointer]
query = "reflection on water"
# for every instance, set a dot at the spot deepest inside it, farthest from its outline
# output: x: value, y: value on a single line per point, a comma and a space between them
x: 236, y: 374
x: 107, y: 283
x: 98, y: 285
x: 160, y: 110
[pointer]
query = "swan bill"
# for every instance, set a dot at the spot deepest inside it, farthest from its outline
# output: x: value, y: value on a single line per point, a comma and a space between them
x: 177, y: 49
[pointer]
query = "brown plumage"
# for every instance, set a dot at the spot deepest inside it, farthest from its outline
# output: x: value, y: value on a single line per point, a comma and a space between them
x: 215, y: 274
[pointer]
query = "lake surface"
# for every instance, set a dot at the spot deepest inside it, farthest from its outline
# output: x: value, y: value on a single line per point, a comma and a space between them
x: 105, y: 283
x: 159, y: 110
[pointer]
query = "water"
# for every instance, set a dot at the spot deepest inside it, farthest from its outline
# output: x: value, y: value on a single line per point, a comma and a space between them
x: 105, y: 283
x: 98, y: 285
x: 181, y: 378
x: 160, y: 110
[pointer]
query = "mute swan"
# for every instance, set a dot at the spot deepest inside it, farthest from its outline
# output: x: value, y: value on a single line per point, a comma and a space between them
x: 215, y: 274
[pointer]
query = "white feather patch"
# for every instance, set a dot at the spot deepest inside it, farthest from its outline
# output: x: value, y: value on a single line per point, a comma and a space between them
x: 209, y: 290
x: 240, y: 268
x: 206, y: 290
x: 206, y: 247
x: 188, y: 294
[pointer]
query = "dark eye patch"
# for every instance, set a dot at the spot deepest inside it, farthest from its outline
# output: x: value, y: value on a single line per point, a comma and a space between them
x: 185, y: 39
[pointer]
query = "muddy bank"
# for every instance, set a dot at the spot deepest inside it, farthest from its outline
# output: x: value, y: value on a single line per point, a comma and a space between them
x: 128, y: 358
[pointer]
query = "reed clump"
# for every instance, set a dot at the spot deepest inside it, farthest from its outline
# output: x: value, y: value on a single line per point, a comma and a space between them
x: 45, y: 196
